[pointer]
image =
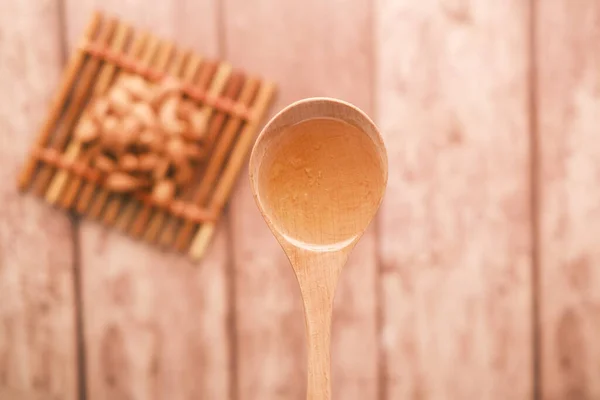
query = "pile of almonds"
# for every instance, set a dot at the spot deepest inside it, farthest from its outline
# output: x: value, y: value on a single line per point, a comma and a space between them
x: 143, y: 136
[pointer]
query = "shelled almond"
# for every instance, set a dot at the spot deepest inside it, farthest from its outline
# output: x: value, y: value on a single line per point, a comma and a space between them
x: 149, y: 137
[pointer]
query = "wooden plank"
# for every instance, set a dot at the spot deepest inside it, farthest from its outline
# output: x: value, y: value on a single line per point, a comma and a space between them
x: 568, y: 104
x: 200, y: 24
x: 309, y: 48
x: 155, y: 323
x: 38, y: 352
x: 454, y: 229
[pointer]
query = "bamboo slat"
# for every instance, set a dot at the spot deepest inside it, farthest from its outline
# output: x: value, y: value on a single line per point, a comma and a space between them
x: 229, y: 175
x: 79, y: 94
x: 100, y: 86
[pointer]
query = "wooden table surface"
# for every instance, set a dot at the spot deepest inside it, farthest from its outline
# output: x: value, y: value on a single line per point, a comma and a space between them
x: 479, y: 279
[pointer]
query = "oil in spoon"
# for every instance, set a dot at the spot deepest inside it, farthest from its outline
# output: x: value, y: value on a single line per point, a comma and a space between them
x: 327, y: 170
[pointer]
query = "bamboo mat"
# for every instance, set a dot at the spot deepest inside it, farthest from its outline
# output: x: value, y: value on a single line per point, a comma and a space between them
x: 234, y: 104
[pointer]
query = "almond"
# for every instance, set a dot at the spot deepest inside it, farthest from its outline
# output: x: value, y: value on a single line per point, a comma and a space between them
x: 186, y: 108
x: 122, y: 182
x: 110, y: 123
x: 93, y: 149
x: 129, y: 162
x: 120, y: 100
x: 131, y: 129
x: 195, y: 152
x: 168, y: 117
x: 144, y: 113
x: 163, y: 191
x: 198, y: 122
x: 147, y: 162
x: 161, y: 168
x: 112, y: 135
x: 176, y: 150
x: 167, y: 88
x: 99, y: 109
x: 152, y: 140
x: 86, y: 131
x: 104, y: 163
x: 137, y: 87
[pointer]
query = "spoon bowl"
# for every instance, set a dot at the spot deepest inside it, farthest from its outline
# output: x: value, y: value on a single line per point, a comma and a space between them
x: 318, y: 172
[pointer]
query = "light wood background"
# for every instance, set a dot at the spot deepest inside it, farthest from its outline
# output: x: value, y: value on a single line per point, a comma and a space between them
x: 480, y: 278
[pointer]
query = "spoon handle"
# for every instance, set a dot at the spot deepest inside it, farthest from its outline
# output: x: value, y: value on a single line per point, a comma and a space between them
x: 318, y: 328
x: 318, y: 275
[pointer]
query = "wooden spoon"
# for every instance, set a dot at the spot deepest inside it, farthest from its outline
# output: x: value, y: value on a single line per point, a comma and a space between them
x: 318, y: 172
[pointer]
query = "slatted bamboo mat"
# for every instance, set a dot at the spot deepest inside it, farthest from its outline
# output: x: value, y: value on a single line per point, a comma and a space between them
x: 234, y: 104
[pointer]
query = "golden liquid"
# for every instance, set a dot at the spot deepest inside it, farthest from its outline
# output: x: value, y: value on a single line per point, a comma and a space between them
x: 321, y: 181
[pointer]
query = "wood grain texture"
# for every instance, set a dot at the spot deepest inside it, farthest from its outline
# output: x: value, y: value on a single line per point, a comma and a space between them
x: 311, y: 48
x: 455, y: 245
x: 155, y: 324
x: 568, y: 104
x: 37, y: 307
